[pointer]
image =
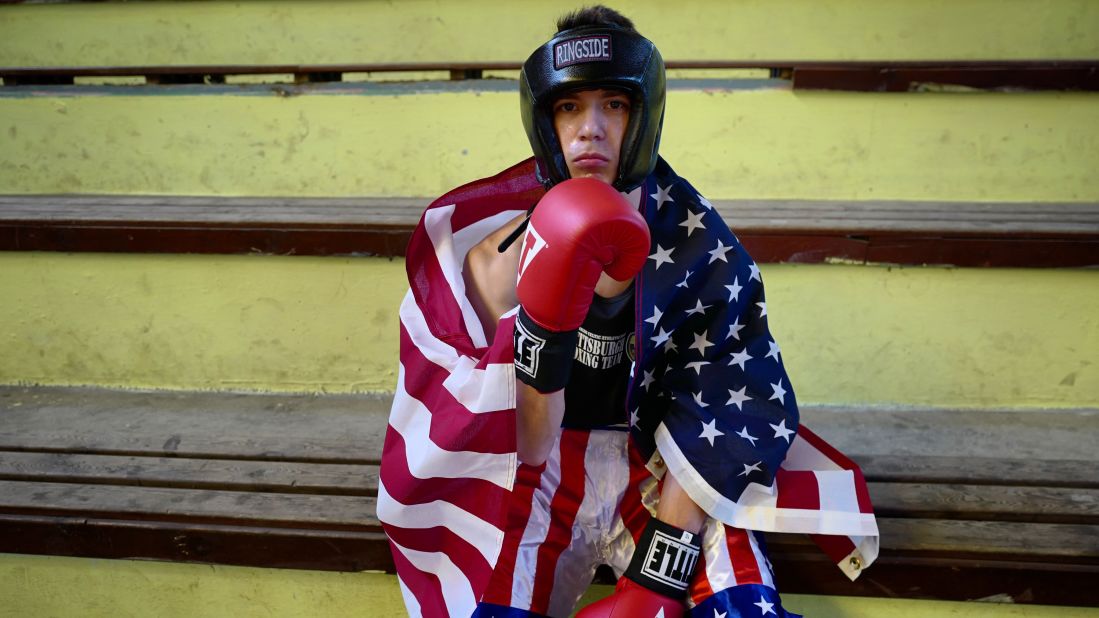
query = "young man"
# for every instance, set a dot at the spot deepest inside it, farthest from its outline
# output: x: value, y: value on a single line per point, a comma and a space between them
x: 620, y: 352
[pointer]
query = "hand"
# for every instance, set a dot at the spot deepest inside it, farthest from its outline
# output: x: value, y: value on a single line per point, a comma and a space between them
x: 581, y: 228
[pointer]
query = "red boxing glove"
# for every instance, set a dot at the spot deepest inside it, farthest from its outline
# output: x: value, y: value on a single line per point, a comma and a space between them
x: 658, y: 577
x: 581, y: 228
x: 632, y: 600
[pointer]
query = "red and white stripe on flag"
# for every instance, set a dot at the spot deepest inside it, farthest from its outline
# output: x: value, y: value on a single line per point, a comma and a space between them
x: 449, y: 461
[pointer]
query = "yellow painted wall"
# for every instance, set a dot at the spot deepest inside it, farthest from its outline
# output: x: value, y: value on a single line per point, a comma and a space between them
x: 766, y: 143
x: 48, y: 587
x: 316, y: 32
x: 234, y: 322
x: 849, y: 334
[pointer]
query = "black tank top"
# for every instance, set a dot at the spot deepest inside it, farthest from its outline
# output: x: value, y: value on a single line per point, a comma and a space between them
x: 596, y: 393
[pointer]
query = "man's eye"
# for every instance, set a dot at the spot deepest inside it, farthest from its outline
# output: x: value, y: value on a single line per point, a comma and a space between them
x: 619, y: 105
x: 566, y: 107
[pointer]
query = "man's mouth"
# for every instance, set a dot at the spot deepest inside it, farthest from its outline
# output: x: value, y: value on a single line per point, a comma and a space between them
x: 590, y: 160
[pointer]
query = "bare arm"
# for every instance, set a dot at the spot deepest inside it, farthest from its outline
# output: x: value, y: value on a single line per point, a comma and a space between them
x: 537, y: 423
x: 677, y: 508
x: 490, y: 285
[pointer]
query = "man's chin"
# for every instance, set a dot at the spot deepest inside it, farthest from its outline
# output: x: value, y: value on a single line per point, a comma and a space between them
x: 598, y: 175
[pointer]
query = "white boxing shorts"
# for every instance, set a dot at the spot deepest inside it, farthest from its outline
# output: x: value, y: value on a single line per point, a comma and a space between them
x: 587, y: 506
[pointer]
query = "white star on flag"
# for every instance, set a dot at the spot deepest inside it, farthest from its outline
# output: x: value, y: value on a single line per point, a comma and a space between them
x: 659, y: 613
x: 703, y: 404
x: 781, y: 431
x: 662, y: 195
x: 747, y: 436
x: 762, y: 309
x: 764, y: 607
x: 683, y: 284
x: 700, y: 343
x: 737, y: 398
x: 697, y: 366
x: 719, y: 253
x: 734, y: 289
x: 755, y: 272
x: 705, y: 202
x: 721, y: 615
x: 699, y: 308
x: 734, y: 329
x: 660, y: 337
x: 774, y: 350
x: 656, y: 317
x: 647, y: 380
x: 693, y: 222
x: 780, y: 394
x: 750, y: 469
x: 633, y: 417
x: 662, y: 256
x: 670, y: 346
x: 741, y: 357
x: 710, y: 431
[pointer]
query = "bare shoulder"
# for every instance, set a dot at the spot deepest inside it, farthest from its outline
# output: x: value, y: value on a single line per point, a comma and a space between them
x: 490, y: 276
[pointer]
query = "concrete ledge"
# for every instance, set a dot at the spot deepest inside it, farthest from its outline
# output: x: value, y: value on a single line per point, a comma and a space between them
x: 94, y: 588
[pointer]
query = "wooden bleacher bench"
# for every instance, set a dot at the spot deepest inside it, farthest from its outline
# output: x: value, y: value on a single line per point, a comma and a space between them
x: 279, y: 481
x: 971, y: 504
x: 1053, y: 235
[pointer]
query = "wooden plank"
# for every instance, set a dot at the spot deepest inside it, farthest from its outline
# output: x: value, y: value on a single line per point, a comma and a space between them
x: 980, y: 470
x: 331, y: 550
x: 1046, y: 541
x: 366, y: 241
x: 983, y: 252
x: 184, y: 473
x: 352, y: 427
x: 883, y: 76
x: 404, y: 211
x: 172, y: 443
x: 950, y: 540
x: 1075, y: 541
x: 799, y: 568
x: 804, y: 231
x: 880, y: 79
x: 802, y: 248
x: 378, y: 241
x: 981, y: 218
x: 986, y: 502
x: 330, y: 428
x: 209, y: 506
x: 1057, y: 435
x: 906, y: 576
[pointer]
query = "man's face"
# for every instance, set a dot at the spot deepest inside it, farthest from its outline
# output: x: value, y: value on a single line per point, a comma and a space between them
x: 590, y: 125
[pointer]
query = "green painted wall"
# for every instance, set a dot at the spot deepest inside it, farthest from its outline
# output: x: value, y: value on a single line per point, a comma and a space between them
x: 754, y: 143
x: 47, y: 587
x: 849, y: 334
x: 316, y: 32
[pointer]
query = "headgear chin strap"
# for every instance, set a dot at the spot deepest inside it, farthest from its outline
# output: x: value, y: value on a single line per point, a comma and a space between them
x: 595, y: 57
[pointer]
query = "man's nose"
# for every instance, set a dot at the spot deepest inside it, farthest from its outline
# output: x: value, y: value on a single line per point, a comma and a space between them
x: 594, y: 126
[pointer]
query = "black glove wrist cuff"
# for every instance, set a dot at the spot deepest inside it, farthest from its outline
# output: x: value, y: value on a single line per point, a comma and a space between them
x: 543, y: 358
x: 665, y: 559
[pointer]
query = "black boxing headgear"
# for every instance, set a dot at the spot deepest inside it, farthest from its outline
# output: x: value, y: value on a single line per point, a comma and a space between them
x: 591, y: 57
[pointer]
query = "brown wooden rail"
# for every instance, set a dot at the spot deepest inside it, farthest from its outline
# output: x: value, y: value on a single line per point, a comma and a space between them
x: 805, y: 231
x: 860, y: 76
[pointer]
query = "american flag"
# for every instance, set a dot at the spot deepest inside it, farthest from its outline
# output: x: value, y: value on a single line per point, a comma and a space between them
x: 708, y: 393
